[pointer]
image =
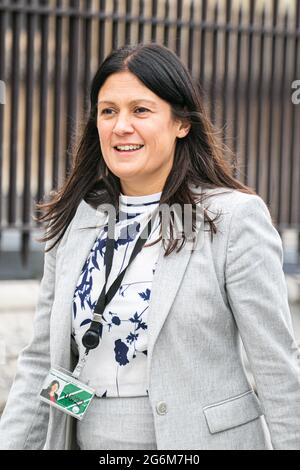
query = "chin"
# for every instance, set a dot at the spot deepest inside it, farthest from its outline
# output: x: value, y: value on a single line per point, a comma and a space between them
x: 127, y: 175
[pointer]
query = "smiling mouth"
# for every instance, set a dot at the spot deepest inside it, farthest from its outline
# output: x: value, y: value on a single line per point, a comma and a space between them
x: 128, y: 151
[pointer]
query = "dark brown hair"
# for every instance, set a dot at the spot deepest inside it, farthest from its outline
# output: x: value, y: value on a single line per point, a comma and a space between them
x: 199, y: 158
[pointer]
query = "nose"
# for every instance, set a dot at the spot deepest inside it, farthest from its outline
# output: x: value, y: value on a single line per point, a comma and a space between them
x: 123, y: 124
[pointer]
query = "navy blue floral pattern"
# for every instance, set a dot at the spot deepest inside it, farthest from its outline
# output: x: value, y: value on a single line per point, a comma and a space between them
x: 117, y: 367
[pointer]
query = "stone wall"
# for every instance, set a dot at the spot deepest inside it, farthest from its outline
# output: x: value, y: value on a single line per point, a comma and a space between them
x: 18, y: 300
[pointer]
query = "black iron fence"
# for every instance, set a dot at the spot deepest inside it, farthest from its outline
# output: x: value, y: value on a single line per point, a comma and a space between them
x: 246, y: 56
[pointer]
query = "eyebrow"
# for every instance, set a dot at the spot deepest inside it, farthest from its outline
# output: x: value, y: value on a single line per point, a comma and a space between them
x: 131, y: 102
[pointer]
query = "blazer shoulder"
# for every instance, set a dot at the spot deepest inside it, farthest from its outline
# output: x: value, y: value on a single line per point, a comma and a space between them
x: 228, y: 201
x: 229, y: 206
x: 82, y: 212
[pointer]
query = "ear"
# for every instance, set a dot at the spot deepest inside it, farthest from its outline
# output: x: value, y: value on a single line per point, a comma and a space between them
x: 183, y: 130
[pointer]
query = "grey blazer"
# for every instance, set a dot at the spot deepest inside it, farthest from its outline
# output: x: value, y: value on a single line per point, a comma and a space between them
x: 202, y: 304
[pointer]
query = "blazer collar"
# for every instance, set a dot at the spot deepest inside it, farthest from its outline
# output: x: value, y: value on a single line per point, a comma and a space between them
x: 88, y: 217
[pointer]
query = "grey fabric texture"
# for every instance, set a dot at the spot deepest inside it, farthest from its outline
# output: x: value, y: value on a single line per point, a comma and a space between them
x: 203, y: 303
x: 117, y: 423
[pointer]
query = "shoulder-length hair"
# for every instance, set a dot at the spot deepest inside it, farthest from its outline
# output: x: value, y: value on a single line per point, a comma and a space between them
x: 199, y: 157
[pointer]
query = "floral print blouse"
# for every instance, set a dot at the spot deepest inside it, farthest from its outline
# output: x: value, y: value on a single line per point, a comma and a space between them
x: 118, y: 366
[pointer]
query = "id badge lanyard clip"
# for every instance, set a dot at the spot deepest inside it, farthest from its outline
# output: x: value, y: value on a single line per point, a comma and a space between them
x: 92, y: 336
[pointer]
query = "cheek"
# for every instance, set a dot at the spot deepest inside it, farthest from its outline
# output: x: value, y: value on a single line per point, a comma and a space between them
x: 160, y: 133
x: 104, y: 143
x: 103, y: 132
x: 164, y: 141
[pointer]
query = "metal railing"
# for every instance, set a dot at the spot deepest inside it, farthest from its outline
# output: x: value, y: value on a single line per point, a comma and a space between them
x: 244, y: 54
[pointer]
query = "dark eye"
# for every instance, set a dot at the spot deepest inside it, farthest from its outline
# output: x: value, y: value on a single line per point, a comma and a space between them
x: 144, y: 109
x: 104, y: 110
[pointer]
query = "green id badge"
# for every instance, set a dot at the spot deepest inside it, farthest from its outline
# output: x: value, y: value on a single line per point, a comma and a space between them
x: 66, y: 393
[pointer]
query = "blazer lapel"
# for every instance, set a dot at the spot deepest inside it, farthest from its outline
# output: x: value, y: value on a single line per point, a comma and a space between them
x: 166, y: 282
x: 85, y: 228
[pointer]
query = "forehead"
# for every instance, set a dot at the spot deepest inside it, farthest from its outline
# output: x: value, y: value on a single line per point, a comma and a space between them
x: 126, y: 88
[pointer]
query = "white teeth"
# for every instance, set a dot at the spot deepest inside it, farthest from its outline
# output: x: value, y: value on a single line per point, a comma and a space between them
x: 129, y: 147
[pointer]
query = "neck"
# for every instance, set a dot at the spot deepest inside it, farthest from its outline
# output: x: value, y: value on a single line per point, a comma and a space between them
x: 140, y: 189
x: 140, y: 193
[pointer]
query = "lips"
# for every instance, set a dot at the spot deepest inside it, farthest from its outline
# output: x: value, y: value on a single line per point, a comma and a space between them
x: 124, y: 145
x: 127, y: 151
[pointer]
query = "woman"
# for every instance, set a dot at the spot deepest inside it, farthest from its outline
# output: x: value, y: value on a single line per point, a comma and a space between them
x: 50, y: 392
x: 168, y: 370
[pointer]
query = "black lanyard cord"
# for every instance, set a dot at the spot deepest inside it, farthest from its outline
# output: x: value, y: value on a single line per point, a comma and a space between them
x: 91, y: 338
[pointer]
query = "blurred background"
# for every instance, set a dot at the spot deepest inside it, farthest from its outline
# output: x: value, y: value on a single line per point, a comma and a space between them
x: 245, y: 55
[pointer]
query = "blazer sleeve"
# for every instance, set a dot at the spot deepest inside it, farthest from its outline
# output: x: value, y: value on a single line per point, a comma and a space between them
x: 257, y: 294
x: 24, y: 422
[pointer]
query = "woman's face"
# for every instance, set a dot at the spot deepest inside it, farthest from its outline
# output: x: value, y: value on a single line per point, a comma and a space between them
x: 130, y: 113
x: 54, y: 388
